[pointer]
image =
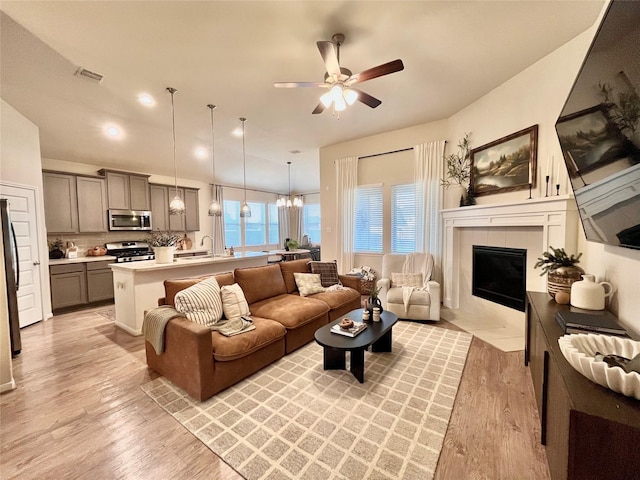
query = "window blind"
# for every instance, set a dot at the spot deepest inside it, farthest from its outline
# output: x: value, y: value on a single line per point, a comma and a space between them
x: 403, y: 218
x: 367, y: 236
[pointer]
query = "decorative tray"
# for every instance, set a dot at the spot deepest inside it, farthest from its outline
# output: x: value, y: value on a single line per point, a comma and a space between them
x: 580, y: 350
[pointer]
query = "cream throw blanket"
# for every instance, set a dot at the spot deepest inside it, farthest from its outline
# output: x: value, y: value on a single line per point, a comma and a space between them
x: 413, y: 264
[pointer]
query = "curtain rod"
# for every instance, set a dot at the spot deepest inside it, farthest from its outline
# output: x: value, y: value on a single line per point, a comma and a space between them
x: 387, y: 153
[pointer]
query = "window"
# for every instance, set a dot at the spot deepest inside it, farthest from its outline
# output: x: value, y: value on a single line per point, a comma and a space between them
x: 231, y: 223
x: 368, y: 219
x: 403, y: 218
x: 255, y: 226
x: 274, y: 233
x: 311, y: 221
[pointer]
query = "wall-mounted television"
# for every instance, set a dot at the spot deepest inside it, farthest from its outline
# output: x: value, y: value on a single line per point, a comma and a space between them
x: 599, y: 130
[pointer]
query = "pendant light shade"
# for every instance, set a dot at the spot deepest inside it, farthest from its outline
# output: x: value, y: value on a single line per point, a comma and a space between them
x: 288, y: 202
x: 176, y: 206
x: 215, y: 209
x: 245, y: 211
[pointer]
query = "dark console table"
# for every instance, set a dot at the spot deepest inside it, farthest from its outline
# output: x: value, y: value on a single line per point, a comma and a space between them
x: 589, y: 431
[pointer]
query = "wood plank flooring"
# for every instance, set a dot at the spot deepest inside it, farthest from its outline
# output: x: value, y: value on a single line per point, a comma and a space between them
x: 79, y: 412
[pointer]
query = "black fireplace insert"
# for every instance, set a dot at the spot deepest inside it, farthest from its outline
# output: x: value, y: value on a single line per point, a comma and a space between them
x: 500, y: 275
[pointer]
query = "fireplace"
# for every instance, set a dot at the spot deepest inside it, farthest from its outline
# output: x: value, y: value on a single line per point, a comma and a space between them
x: 500, y: 275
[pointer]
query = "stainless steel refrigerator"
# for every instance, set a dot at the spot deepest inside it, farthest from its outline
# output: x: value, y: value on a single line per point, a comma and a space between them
x: 12, y: 272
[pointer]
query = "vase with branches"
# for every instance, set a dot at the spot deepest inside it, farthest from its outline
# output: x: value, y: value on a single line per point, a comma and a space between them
x: 458, y: 164
x: 561, y: 270
x: 624, y: 109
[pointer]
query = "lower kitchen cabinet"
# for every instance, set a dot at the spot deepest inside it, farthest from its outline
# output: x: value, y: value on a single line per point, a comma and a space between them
x: 80, y: 283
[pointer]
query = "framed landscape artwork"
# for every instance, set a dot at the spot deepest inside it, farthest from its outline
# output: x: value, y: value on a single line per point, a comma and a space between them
x: 507, y: 164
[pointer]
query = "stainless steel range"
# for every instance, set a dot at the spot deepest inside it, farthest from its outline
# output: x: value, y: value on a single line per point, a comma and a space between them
x: 129, y: 251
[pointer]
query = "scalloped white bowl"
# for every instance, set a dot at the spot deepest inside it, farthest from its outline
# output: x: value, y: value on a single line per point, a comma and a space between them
x: 580, y: 349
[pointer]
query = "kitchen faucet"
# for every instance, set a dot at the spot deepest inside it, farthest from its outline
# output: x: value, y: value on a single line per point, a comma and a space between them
x: 202, y: 242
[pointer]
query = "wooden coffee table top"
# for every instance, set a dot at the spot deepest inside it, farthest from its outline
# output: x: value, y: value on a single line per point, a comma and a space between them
x: 373, y: 332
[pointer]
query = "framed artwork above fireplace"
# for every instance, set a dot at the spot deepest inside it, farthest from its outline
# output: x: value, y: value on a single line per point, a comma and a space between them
x: 507, y: 164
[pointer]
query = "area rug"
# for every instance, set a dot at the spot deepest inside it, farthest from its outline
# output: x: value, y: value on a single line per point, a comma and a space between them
x: 294, y: 420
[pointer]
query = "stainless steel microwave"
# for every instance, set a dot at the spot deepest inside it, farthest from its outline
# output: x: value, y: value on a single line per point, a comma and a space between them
x: 129, y: 220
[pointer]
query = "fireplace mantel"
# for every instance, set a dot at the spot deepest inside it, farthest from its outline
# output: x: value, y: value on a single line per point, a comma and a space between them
x: 556, y: 215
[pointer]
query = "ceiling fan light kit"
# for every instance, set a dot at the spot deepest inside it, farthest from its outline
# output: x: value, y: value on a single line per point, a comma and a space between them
x: 339, y: 80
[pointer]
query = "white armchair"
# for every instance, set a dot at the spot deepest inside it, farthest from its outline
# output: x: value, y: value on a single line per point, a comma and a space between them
x: 423, y: 302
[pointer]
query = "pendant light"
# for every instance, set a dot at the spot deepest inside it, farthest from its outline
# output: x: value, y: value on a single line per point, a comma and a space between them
x: 215, y: 209
x: 245, y: 211
x: 176, y: 207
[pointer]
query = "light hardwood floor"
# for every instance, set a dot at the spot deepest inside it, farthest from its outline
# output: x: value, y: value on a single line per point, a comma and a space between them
x: 79, y: 412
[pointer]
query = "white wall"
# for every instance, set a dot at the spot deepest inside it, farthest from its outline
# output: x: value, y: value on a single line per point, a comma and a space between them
x: 534, y: 96
x: 20, y: 165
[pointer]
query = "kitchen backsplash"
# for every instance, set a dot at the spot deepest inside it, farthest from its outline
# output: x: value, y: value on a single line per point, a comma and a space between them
x: 86, y: 242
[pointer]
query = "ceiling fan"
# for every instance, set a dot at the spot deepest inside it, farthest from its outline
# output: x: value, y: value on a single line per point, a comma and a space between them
x: 339, y: 80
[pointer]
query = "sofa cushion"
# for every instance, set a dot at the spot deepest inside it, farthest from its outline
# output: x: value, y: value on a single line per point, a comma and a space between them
x: 201, y: 302
x: 259, y: 283
x: 234, y: 303
x: 328, y: 272
x: 308, y: 283
x: 418, y: 297
x: 226, y: 349
x: 406, y: 279
x: 173, y: 286
x: 289, y: 268
x: 292, y: 311
x: 338, y: 297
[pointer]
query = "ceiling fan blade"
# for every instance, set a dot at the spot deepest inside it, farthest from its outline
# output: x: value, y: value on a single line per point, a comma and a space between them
x: 297, y: 84
x: 367, y: 99
x: 318, y: 109
x: 330, y: 57
x: 375, y: 72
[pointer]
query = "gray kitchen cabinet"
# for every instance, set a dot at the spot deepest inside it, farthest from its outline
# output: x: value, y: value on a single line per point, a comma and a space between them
x: 60, y: 202
x: 161, y: 196
x: 192, y: 211
x: 99, y: 281
x: 68, y: 285
x: 127, y: 191
x: 92, y: 204
x: 159, y: 207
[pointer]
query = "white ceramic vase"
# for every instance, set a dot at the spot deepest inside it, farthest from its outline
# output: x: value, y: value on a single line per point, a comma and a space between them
x: 164, y: 254
x: 588, y: 294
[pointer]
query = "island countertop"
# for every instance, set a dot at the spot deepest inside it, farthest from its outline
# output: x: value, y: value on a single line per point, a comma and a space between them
x: 184, y: 262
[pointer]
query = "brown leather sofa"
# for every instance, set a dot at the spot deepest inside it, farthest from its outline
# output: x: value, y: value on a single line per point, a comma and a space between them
x: 203, y: 362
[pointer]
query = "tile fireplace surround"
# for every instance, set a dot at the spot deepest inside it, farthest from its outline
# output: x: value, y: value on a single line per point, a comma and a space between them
x: 556, y: 216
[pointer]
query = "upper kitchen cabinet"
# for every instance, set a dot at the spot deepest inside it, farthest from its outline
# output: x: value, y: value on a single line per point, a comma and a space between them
x: 60, y: 202
x: 161, y: 196
x: 127, y: 191
x: 74, y: 203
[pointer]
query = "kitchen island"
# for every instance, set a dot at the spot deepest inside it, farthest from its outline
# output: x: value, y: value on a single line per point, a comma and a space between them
x: 138, y: 285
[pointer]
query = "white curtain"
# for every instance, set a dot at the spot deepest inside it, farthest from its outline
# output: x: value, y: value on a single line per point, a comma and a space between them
x: 218, y: 222
x: 283, y: 225
x: 297, y: 212
x: 346, y: 184
x: 428, y: 170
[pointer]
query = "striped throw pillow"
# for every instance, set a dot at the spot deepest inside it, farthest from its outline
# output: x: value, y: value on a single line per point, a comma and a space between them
x: 201, y: 303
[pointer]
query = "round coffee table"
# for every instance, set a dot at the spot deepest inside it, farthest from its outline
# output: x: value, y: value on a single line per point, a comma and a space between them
x: 335, y: 346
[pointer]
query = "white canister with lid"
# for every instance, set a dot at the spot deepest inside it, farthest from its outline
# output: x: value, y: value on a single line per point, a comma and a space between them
x: 588, y: 294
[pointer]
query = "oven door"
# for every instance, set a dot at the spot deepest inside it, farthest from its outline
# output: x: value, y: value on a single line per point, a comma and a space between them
x: 129, y: 220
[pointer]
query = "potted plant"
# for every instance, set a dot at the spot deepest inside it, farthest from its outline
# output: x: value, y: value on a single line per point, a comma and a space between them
x: 292, y: 245
x: 561, y: 270
x: 458, y: 167
x: 55, y: 248
x: 163, y: 245
x: 624, y: 110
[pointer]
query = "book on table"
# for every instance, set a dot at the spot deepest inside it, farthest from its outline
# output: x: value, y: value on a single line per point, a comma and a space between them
x: 597, y: 322
x: 349, y: 332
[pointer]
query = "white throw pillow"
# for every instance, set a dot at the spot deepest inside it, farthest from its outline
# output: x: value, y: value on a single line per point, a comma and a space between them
x: 406, y: 280
x: 234, y: 302
x: 308, y: 283
x: 201, y: 303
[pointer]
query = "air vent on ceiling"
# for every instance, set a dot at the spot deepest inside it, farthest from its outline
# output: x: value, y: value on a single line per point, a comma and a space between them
x: 89, y: 75
x: 295, y: 152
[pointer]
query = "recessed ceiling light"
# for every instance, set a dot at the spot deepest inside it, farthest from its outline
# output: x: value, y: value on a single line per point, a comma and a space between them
x: 146, y: 99
x: 201, y: 152
x: 113, y: 131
